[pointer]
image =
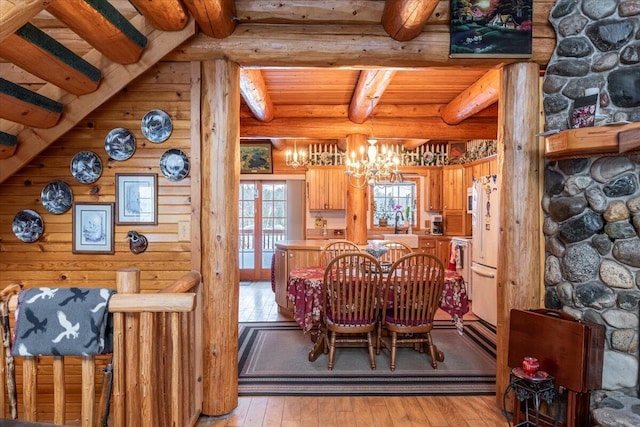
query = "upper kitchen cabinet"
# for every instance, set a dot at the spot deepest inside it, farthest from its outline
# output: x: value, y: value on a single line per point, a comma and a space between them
x: 486, y: 166
x: 453, y: 189
x: 433, y: 189
x: 326, y: 188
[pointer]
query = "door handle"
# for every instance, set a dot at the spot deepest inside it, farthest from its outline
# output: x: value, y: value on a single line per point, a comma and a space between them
x: 482, y: 273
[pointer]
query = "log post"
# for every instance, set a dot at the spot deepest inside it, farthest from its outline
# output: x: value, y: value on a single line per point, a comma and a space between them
x: 356, y: 227
x: 127, y: 281
x: 220, y: 165
x: 519, y: 160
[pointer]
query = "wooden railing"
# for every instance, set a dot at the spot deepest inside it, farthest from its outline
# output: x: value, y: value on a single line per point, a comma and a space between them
x: 157, y: 364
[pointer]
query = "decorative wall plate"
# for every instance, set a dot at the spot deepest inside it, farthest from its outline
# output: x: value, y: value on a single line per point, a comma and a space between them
x: 120, y: 144
x: 174, y: 164
x: 86, y: 167
x: 56, y: 197
x: 156, y: 126
x: 28, y: 225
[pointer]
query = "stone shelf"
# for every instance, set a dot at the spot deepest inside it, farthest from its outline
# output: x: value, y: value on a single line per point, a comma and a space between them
x: 596, y: 140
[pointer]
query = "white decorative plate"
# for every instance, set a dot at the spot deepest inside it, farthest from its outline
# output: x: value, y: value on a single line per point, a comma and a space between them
x: 56, y: 197
x: 174, y: 164
x: 86, y: 167
x: 156, y: 126
x: 28, y: 225
x: 120, y: 144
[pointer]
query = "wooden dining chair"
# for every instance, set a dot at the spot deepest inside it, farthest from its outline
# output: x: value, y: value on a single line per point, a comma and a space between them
x: 411, y: 294
x: 335, y: 248
x: 395, y: 250
x: 350, y: 302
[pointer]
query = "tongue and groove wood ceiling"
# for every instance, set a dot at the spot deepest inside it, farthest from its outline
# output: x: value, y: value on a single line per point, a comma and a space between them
x: 311, y: 70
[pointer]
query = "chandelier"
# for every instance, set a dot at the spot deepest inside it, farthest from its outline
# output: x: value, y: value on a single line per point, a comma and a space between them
x: 373, y: 167
x: 296, y: 158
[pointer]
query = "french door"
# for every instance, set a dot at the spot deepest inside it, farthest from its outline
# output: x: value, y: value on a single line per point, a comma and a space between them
x: 262, y: 222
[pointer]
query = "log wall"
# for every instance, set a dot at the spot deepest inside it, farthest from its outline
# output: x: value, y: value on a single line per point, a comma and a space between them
x: 50, y: 261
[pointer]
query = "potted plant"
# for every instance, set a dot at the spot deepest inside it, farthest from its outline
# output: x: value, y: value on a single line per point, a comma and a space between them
x: 383, y: 216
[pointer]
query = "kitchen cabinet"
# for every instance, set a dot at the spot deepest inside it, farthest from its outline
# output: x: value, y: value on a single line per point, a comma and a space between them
x: 281, y: 276
x: 287, y: 260
x: 486, y: 166
x: 454, y: 221
x: 433, y: 189
x: 326, y: 188
x: 453, y: 189
x: 437, y: 246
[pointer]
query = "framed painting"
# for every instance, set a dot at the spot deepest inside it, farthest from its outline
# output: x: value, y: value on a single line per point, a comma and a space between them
x: 256, y: 158
x: 491, y: 28
x: 93, y: 231
x: 136, y: 198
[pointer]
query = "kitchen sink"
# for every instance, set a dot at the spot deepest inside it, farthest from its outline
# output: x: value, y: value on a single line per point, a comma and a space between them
x: 409, y: 239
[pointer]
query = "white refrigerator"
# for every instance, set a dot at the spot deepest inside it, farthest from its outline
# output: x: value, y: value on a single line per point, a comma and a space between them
x: 484, y: 262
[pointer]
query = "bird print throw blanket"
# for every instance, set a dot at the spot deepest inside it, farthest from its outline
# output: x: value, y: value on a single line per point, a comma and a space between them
x: 62, y: 322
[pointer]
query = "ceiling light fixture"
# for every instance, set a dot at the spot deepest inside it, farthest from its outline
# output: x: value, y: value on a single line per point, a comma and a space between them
x: 373, y: 167
x: 296, y: 158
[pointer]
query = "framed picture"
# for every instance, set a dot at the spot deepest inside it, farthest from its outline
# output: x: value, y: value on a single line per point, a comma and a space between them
x: 497, y: 28
x: 136, y: 198
x: 583, y: 113
x: 256, y: 158
x: 93, y: 230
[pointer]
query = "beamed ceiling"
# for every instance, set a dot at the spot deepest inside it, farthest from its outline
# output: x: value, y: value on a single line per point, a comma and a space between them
x: 311, y: 70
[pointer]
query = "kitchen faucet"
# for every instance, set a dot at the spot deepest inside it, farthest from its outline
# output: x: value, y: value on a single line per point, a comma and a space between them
x: 397, y: 230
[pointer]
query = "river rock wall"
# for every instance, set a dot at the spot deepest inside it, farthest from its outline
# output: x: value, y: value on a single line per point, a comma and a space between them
x: 592, y: 266
x: 597, y: 47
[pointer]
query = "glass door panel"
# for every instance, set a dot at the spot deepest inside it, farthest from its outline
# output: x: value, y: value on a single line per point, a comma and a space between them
x: 263, y: 203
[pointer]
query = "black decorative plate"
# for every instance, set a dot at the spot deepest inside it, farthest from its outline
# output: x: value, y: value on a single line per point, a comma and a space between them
x: 86, y: 167
x: 120, y: 144
x: 56, y: 197
x: 28, y: 225
x: 174, y: 164
x: 156, y: 126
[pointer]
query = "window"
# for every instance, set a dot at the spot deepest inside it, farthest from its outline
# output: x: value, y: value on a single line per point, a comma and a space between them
x: 395, y: 201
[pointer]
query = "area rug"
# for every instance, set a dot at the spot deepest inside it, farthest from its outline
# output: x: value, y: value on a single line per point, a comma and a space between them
x: 273, y: 360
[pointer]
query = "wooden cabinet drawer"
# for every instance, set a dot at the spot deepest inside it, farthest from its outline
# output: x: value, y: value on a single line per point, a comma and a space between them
x: 426, y: 242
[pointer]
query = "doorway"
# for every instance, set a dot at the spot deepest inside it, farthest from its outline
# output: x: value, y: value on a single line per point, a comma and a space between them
x: 263, y: 222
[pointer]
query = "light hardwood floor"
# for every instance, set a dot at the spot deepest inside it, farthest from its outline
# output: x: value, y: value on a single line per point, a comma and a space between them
x: 257, y: 304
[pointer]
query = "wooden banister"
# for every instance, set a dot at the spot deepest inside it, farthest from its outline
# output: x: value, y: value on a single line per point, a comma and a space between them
x: 154, y: 355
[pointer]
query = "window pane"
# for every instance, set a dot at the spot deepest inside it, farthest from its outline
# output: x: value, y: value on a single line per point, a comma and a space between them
x: 394, y: 202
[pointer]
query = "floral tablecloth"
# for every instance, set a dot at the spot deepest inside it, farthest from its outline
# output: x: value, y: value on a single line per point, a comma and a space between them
x: 305, y: 292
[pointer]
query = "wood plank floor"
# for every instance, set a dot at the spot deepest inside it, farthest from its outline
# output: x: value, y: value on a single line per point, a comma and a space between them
x: 257, y: 303
x: 387, y: 411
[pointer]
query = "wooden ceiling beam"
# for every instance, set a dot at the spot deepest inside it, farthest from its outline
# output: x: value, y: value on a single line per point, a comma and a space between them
x: 254, y: 92
x: 279, y: 143
x: 8, y: 144
x: 404, y: 19
x: 103, y: 27
x: 474, y: 99
x: 167, y: 15
x: 382, y: 110
x: 412, y: 144
x: 331, y: 46
x: 214, y: 17
x: 36, y: 52
x: 394, y: 128
x: 15, y: 13
x: 26, y: 107
x: 116, y: 76
x: 370, y: 87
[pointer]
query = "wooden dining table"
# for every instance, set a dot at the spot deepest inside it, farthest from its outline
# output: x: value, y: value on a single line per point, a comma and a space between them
x: 304, y: 290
